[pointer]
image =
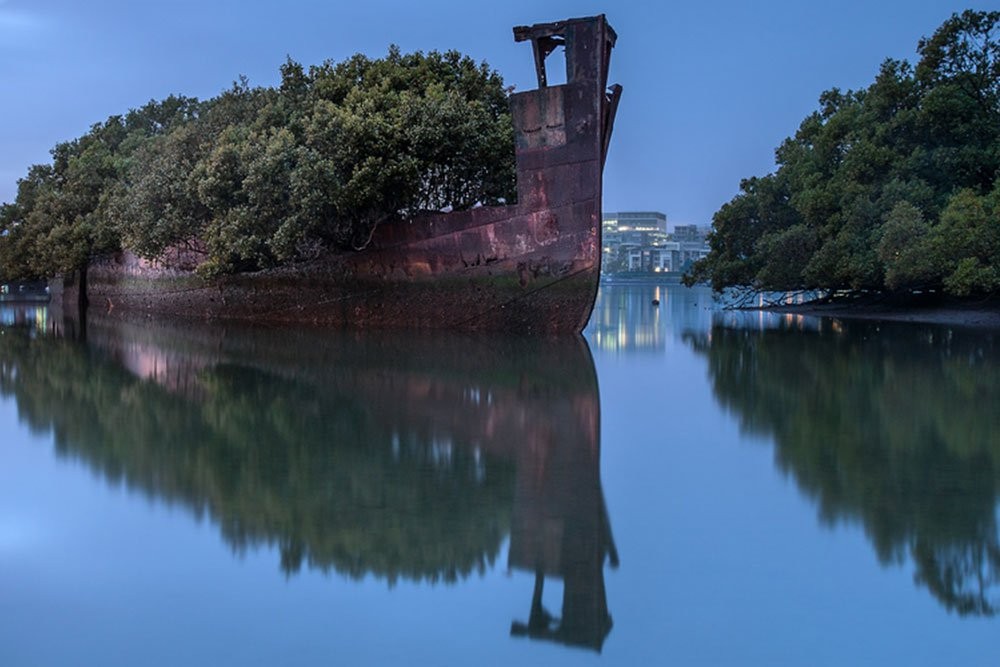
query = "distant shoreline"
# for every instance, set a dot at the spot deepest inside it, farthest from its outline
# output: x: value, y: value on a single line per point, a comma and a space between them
x: 665, y: 278
x: 980, y: 313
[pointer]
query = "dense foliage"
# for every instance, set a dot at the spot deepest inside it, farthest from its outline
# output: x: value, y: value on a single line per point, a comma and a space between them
x: 894, y: 187
x: 886, y: 428
x: 257, y: 177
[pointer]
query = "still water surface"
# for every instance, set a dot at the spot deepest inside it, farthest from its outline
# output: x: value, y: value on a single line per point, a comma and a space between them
x: 686, y: 486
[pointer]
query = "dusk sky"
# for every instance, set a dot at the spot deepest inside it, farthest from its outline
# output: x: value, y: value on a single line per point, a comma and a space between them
x: 710, y: 88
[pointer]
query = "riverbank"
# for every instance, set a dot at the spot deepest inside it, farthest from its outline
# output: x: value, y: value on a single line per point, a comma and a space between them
x: 977, y: 313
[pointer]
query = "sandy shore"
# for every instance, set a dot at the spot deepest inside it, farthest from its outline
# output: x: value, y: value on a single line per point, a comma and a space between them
x: 978, y: 314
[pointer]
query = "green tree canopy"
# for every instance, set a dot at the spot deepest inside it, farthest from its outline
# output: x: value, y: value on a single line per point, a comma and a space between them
x: 257, y: 177
x: 893, y: 187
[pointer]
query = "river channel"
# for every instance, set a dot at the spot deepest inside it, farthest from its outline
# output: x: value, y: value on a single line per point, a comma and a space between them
x: 683, y: 485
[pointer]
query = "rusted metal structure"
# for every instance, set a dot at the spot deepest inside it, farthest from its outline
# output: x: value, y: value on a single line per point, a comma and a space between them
x: 532, y: 266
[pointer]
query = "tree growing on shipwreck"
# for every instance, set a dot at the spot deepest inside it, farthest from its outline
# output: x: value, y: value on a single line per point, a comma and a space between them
x: 261, y: 176
x: 333, y: 156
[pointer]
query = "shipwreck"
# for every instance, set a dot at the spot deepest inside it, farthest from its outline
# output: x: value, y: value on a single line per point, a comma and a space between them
x: 532, y: 266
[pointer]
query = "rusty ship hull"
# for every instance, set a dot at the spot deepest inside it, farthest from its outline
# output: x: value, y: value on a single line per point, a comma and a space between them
x: 533, y: 266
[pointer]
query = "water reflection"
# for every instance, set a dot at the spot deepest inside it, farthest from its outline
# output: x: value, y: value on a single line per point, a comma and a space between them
x: 397, y: 456
x: 33, y: 317
x: 642, y: 318
x: 561, y: 529
x: 894, y: 426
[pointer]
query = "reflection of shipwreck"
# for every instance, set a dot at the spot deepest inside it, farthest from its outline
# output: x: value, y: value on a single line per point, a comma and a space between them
x: 399, y: 456
x: 530, y: 266
x: 560, y: 528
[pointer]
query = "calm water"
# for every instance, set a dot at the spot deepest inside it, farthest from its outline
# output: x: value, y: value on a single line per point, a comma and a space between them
x: 685, y: 487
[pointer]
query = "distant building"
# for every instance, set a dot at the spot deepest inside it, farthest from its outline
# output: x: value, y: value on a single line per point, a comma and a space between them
x: 691, y: 245
x: 637, y: 242
x: 687, y: 233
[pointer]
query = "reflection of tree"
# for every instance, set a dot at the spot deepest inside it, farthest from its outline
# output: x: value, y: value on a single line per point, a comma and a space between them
x: 895, y: 426
x: 310, y: 468
x: 386, y: 456
x: 396, y: 455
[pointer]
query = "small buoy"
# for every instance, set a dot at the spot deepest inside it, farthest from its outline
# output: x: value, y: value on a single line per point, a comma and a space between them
x: 656, y: 302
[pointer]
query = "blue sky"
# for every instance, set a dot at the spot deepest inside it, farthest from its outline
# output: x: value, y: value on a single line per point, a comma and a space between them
x: 711, y: 87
